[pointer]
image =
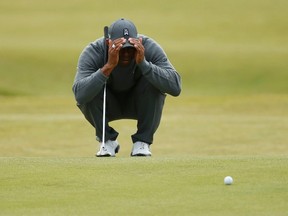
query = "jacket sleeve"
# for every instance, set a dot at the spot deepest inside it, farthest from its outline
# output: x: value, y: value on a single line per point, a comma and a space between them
x: 157, y: 68
x: 89, y: 79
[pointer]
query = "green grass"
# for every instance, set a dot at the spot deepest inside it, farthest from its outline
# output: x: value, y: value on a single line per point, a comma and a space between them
x: 219, y: 47
x: 254, y: 125
x: 144, y: 186
x: 231, y: 118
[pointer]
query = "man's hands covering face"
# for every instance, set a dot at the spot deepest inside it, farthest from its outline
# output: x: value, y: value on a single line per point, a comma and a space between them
x: 139, y: 54
x: 114, y: 53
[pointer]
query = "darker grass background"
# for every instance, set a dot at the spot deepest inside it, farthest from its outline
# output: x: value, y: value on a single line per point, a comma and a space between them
x: 223, y: 47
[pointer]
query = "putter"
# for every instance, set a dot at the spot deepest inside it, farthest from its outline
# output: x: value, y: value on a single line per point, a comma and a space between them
x: 104, y: 115
x: 106, y: 40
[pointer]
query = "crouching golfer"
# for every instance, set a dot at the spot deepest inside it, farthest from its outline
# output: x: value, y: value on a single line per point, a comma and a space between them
x: 132, y: 74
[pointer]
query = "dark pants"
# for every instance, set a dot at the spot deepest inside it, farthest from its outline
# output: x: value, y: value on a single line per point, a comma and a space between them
x: 143, y: 103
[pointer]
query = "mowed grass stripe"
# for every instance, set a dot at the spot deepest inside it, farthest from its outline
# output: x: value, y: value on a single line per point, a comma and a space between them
x: 144, y: 186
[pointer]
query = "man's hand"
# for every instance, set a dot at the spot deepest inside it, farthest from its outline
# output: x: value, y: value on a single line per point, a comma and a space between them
x: 140, y: 50
x: 113, y: 55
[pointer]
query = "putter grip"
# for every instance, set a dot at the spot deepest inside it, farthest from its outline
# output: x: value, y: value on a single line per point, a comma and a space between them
x: 106, y: 36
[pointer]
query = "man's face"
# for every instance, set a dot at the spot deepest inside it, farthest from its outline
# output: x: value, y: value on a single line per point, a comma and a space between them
x: 126, y: 55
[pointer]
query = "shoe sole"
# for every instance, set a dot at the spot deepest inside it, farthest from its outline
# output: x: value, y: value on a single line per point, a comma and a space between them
x: 140, y: 155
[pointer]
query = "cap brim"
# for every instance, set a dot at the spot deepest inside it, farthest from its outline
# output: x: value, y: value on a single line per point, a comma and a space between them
x: 127, y: 44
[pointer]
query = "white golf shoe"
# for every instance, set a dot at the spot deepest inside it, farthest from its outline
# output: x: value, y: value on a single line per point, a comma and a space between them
x: 108, y: 149
x: 141, y: 149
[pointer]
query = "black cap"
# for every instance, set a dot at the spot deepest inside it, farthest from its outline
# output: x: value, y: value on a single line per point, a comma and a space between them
x: 123, y: 28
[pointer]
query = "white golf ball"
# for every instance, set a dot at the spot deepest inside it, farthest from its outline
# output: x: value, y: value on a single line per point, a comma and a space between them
x: 228, y: 180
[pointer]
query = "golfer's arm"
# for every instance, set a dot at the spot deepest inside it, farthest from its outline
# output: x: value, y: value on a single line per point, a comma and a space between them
x: 85, y: 87
x: 158, y: 70
x: 163, y: 76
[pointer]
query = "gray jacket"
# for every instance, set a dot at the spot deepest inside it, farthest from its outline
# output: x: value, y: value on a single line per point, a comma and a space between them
x: 156, y: 68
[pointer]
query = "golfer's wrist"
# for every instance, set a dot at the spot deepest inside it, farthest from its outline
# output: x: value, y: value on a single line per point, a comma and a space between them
x: 107, y: 69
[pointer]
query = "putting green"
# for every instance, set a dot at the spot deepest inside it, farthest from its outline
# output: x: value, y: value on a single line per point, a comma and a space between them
x: 144, y: 186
